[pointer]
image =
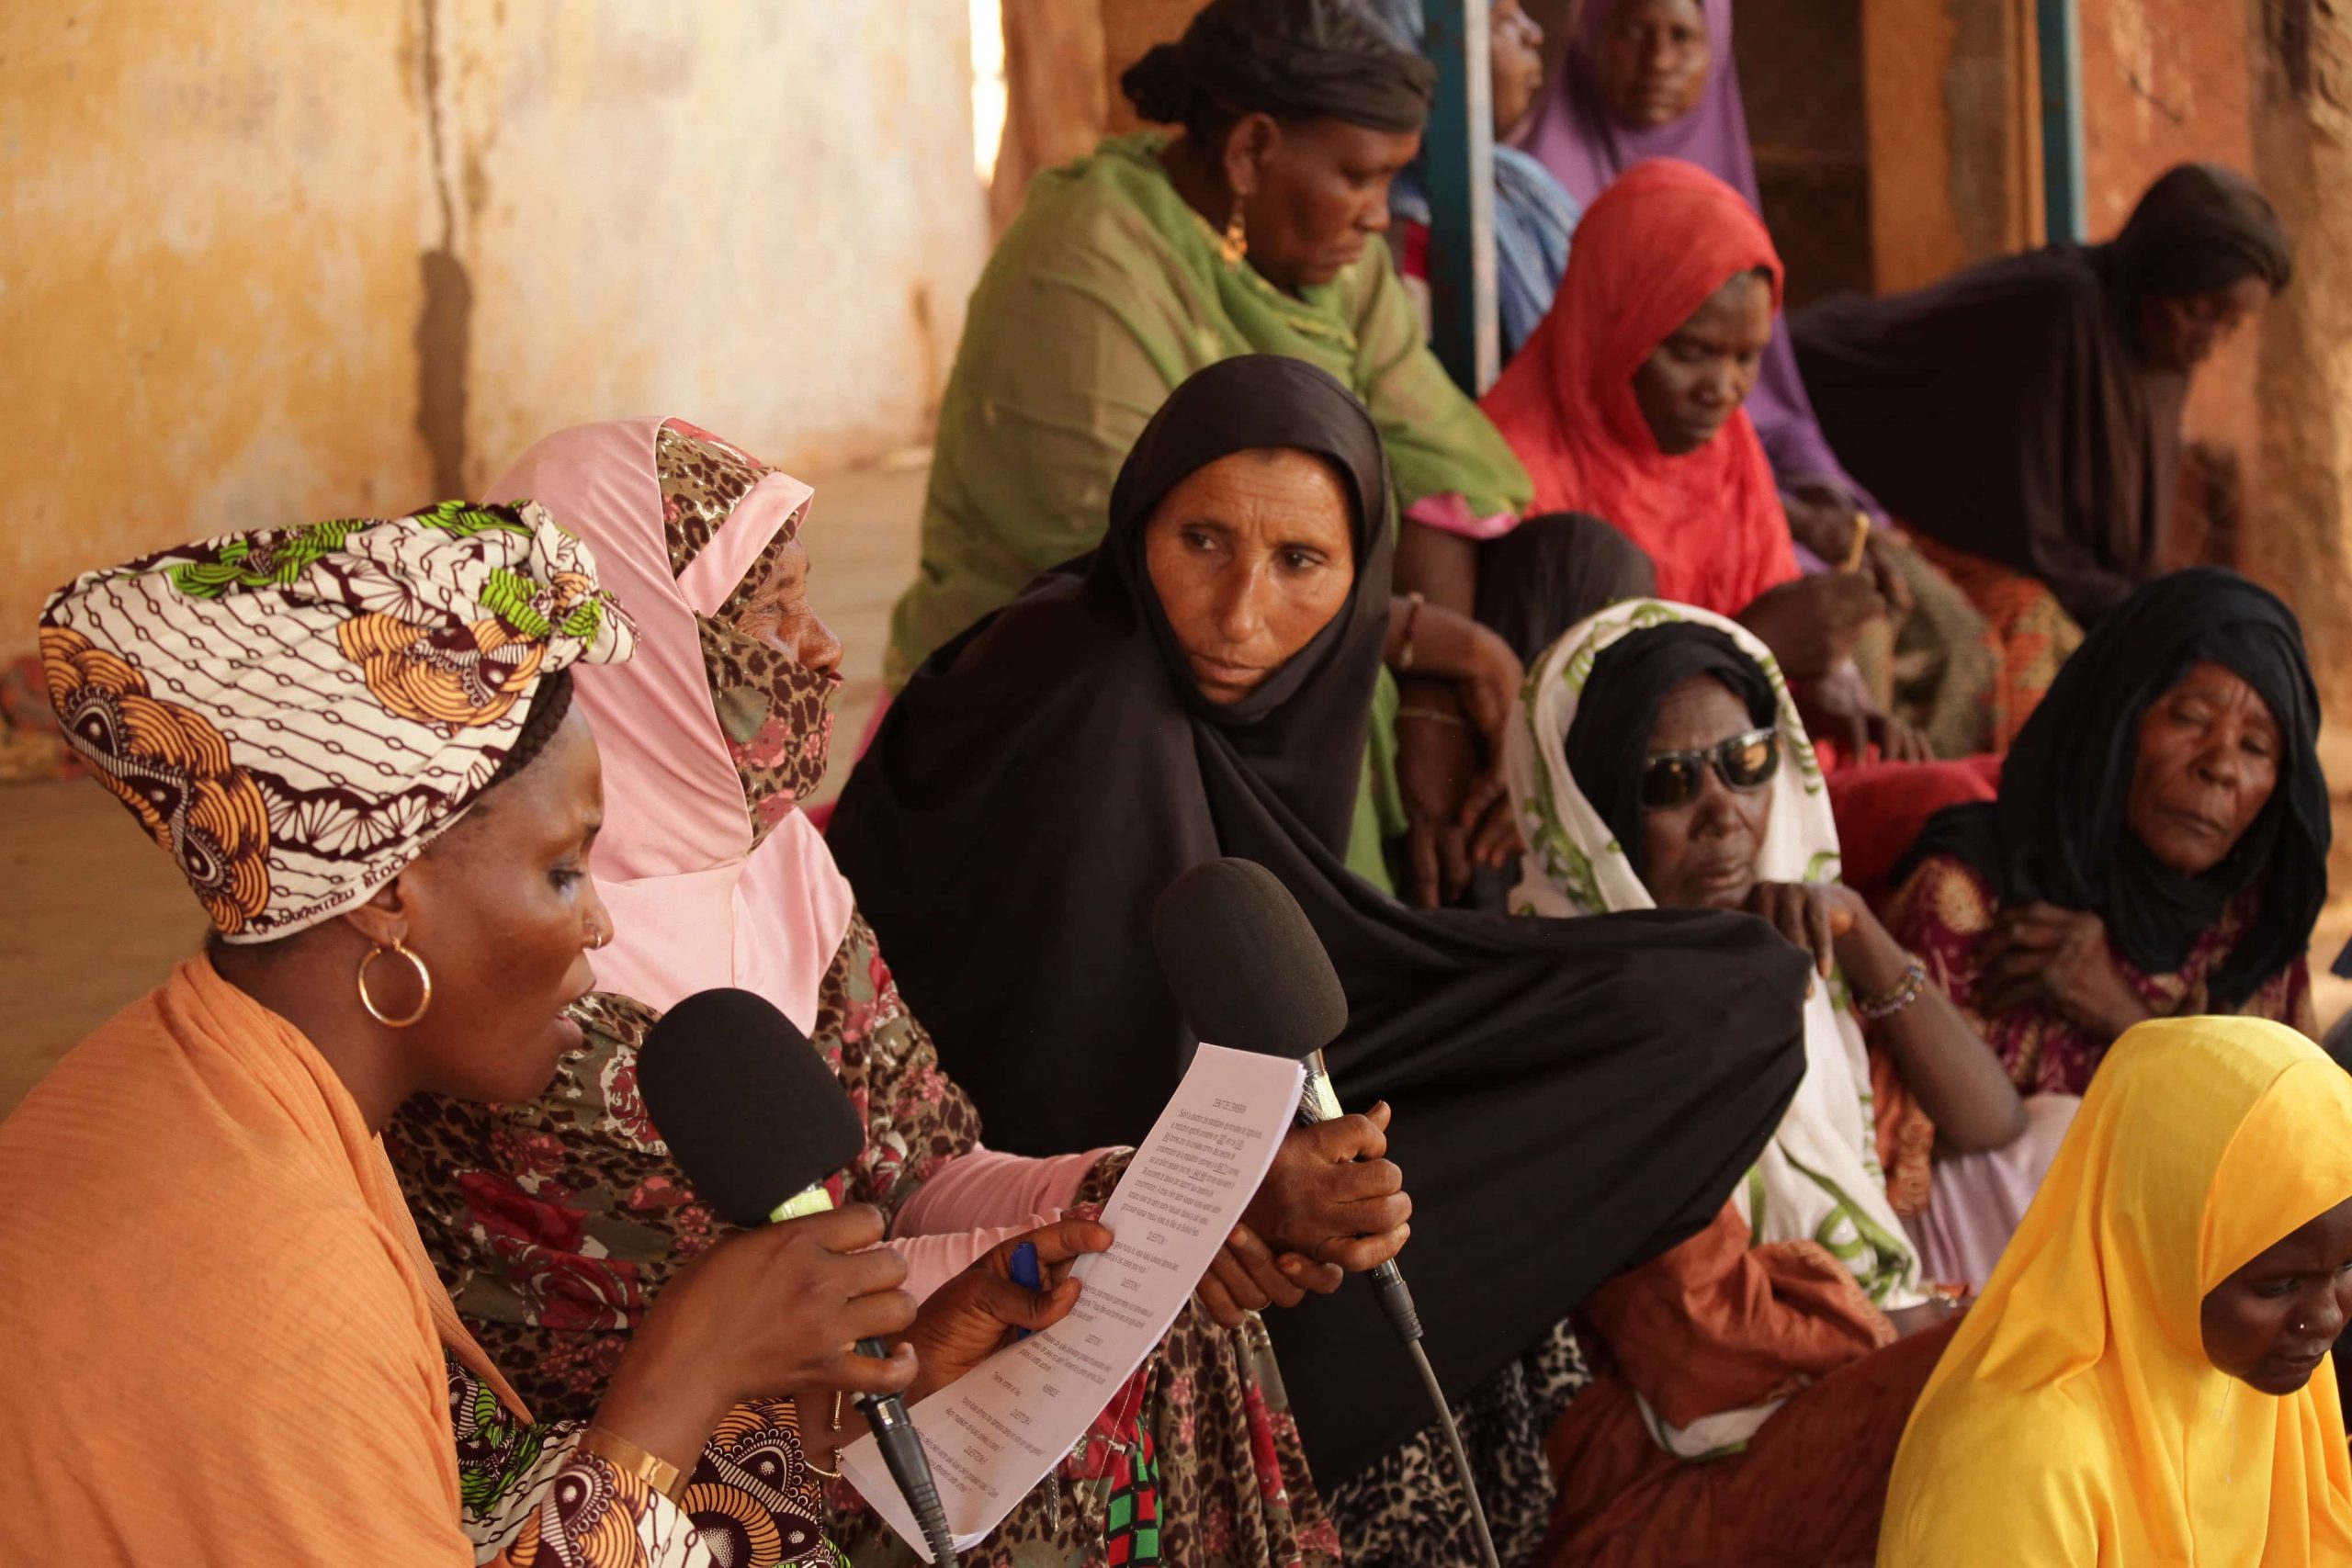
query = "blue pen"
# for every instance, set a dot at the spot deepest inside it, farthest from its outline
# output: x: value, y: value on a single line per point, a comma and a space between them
x: 1026, y: 1275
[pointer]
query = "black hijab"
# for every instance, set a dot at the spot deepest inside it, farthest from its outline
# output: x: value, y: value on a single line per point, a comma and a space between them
x: 1291, y: 58
x: 2057, y: 832
x: 1572, y: 1097
x: 2200, y: 226
x: 2009, y: 412
x: 1608, y: 743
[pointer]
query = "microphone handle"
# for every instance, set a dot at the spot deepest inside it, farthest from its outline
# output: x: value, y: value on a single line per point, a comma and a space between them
x: 908, y: 1465
x: 1318, y: 1101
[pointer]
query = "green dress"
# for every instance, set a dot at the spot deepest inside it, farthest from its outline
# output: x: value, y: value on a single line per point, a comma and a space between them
x: 1106, y: 293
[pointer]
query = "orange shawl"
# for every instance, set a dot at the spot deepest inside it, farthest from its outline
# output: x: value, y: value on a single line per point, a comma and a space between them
x: 1647, y: 254
x: 221, y: 1342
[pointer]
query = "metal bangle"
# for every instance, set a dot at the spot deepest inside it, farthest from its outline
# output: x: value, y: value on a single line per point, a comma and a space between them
x: 1435, y: 716
x: 659, y: 1474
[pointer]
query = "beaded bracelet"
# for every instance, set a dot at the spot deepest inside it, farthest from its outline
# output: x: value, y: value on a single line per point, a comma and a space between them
x: 1906, y: 991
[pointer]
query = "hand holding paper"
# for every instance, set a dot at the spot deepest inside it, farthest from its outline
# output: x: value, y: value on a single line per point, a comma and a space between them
x: 997, y: 1430
x: 968, y: 1320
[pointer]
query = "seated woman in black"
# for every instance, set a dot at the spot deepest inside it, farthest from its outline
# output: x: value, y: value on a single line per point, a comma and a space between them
x: 2023, y: 417
x: 1198, y: 687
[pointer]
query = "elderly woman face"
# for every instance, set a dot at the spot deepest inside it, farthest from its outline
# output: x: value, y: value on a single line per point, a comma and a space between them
x: 2269, y: 1324
x: 1652, y: 60
x: 1314, y: 191
x: 777, y: 612
x: 2207, y: 763
x: 1251, y: 555
x: 1700, y: 853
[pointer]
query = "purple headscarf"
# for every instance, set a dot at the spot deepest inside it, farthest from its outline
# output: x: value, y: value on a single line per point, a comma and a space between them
x: 1573, y: 135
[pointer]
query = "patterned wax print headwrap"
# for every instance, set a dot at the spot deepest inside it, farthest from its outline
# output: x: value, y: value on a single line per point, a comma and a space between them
x: 296, y: 713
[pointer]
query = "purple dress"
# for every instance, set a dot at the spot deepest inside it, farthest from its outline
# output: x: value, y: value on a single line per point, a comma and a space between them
x: 1573, y: 135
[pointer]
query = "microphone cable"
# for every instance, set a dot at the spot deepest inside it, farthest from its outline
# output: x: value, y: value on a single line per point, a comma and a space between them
x: 1396, y: 1301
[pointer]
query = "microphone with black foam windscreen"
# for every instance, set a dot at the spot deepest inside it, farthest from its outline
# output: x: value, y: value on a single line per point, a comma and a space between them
x: 757, y: 1122
x: 1249, y: 973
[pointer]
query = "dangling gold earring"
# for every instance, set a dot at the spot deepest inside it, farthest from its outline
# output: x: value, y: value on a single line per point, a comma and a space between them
x: 423, y: 979
x: 1235, y: 242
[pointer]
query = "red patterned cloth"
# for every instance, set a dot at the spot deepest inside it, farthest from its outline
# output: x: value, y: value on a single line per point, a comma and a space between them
x: 1945, y: 911
x: 1880, y: 806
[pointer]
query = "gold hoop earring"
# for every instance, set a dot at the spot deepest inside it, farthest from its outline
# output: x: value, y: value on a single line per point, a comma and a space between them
x: 1235, y: 242
x: 424, y: 978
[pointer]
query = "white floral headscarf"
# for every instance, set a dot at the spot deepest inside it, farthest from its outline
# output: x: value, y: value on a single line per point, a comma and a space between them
x: 1819, y: 1179
x: 294, y: 714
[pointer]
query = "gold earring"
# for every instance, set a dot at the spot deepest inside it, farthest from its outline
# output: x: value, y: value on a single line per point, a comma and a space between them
x: 424, y: 978
x: 1235, y: 242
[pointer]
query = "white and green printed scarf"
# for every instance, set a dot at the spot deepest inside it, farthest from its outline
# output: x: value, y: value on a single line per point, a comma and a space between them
x: 1819, y: 1179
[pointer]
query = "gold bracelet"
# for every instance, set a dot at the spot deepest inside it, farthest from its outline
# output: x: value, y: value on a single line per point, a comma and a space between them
x: 816, y: 1469
x: 658, y: 1473
x: 1436, y: 715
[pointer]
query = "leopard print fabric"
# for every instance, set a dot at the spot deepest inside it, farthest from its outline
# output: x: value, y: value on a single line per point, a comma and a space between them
x: 776, y: 715
x: 1408, y: 1511
x: 703, y: 480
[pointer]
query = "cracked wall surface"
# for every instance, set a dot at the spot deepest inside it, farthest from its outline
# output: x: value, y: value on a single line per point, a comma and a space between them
x: 363, y: 255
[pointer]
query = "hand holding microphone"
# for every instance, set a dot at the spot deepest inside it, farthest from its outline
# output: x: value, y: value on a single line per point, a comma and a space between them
x: 1333, y: 1196
x: 775, y: 1310
x: 757, y: 1121
x: 1249, y: 973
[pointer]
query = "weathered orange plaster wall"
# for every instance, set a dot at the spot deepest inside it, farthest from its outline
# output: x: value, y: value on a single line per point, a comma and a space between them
x: 207, y: 276
x: 767, y: 223
x: 2167, y: 82
x: 262, y: 265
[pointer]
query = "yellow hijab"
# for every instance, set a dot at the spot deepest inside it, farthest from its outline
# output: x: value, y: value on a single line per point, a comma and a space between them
x: 2074, y: 1418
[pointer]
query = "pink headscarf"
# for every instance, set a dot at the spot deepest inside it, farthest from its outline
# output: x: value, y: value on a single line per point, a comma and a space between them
x: 695, y: 903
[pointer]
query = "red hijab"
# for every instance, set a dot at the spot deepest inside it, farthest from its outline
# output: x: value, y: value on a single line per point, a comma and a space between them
x: 1659, y: 240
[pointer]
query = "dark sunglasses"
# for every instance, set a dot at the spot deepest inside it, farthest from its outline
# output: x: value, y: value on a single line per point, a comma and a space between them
x: 1671, y: 779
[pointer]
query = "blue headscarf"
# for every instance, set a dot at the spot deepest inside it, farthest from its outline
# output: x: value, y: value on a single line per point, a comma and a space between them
x: 1535, y: 215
